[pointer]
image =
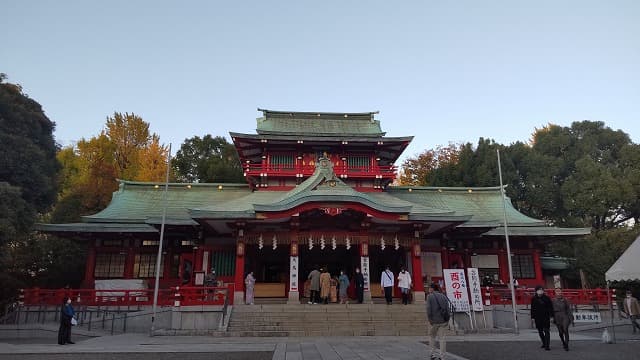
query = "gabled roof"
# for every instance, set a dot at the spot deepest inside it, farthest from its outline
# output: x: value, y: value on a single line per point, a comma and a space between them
x: 318, y: 123
x: 322, y: 186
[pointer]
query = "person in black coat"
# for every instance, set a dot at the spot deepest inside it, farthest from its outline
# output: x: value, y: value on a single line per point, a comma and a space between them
x: 359, y: 280
x: 66, y: 314
x: 541, y: 313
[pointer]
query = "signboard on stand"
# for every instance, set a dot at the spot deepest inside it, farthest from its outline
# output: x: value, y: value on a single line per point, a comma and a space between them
x: 293, y: 274
x: 364, y: 267
x: 476, y: 291
x: 457, y: 289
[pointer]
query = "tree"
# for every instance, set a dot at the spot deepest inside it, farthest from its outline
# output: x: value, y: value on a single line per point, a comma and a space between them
x: 27, y: 146
x: 415, y: 170
x: 592, y: 172
x: 207, y: 159
x: 28, y: 184
x: 124, y: 150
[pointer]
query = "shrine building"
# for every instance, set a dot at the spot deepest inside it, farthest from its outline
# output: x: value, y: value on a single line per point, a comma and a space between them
x: 318, y: 192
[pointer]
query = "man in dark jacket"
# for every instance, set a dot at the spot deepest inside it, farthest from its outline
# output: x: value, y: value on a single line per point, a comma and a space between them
x: 541, y: 313
x: 359, y: 279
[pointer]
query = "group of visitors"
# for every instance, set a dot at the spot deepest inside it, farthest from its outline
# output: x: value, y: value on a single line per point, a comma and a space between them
x: 321, y: 284
x: 404, y: 283
x: 558, y: 309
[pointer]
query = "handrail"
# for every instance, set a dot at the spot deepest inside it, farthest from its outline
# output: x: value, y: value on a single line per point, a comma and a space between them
x: 197, y: 295
x: 502, y: 296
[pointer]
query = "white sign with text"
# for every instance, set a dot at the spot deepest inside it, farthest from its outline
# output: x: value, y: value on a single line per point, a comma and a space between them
x: 476, y: 291
x: 457, y: 289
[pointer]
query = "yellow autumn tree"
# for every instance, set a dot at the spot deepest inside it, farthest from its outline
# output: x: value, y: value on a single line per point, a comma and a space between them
x: 125, y: 149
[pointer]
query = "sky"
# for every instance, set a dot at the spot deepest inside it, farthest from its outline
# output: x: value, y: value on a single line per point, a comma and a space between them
x: 442, y: 71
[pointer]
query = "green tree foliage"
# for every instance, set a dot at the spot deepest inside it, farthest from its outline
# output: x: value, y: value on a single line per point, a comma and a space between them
x: 27, y: 147
x: 594, y: 254
x: 207, y: 159
x: 16, y: 215
x: 28, y: 185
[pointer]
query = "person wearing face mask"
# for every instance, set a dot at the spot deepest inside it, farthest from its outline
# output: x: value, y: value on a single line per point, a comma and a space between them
x: 541, y: 313
x: 563, y: 317
x: 359, y: 279
x: 66, y: 314
x: 343, y: 282
x: 632, y: 308
x: 404, y: 283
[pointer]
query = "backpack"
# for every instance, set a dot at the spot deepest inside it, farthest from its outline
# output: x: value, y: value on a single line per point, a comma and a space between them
x: 445, y: 311
x: 446, y: 314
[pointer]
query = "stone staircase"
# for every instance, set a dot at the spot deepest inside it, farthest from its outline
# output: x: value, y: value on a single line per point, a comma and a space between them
x: 327, y: 320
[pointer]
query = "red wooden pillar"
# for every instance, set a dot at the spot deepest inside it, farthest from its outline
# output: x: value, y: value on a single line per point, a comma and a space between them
x: 416, y: 266
x: 90, y: 265
x: 445, y: 257
x: 537, y: 264
x: 503, y: 264
x: 129, y: 262
x: 239, y: 273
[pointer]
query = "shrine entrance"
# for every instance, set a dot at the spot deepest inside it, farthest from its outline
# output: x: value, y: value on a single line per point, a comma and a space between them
x: 333, y: 260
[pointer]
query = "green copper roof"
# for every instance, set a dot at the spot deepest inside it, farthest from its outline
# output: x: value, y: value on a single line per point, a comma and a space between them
x: 484, y: 205
x: 137, y: 202
x: 96, y: 228
x: 485, y: 208
x: 318, y: 123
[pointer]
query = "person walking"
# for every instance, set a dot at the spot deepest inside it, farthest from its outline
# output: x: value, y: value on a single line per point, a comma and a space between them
x: 250, y: 284
x: 541, y: 313
x: 632, y: 308
x: 563, y: 317
x: 404, y: 283
x: 343, y: 282
x: 66, y: 314
x: 325, y: 286
x: 438, y: 316
x: 386, y: 283
x: 314, y: 276
x: 359, y: 279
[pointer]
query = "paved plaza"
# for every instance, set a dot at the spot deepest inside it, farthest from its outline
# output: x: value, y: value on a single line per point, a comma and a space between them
x: 585, y: 345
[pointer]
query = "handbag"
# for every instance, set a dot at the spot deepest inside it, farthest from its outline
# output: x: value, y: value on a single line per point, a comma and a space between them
x: 74, y: 322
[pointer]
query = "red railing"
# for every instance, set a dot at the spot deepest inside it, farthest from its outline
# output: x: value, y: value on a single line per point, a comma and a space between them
x: 307, y: 170
x: 174, y: 296
x: 502, y: 296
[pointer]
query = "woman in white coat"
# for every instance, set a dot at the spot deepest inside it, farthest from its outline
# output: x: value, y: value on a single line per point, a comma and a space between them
x: 404, y: 283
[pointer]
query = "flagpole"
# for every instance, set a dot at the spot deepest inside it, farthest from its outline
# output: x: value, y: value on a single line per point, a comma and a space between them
x: 159, y: 257
x: 506, y: 236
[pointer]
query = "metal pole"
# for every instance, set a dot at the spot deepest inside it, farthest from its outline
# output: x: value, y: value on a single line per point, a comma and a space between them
x: 506, y: 236
x: 613, y: 326
x: 159, y: 257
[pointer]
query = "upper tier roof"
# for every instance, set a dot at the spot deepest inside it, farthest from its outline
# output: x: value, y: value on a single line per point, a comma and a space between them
x: 318, y: 124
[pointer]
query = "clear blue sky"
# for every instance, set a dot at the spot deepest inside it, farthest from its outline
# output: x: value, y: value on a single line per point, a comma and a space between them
x: 443, y: 71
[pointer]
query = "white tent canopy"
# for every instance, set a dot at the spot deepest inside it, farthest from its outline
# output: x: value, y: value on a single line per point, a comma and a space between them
x: 627, y: 267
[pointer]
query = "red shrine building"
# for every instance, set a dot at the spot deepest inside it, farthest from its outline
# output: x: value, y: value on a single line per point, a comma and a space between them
x: 318, y: 192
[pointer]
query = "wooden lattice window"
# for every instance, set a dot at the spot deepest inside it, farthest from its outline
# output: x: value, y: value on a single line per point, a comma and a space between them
x: 109, y: 265
x: 523, y: 267
x: 282, y: 161
x: 144, y: 265
x: 358, y: 163
x: 224, y: 262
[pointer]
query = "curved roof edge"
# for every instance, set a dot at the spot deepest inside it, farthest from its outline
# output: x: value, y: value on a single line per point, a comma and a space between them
x: 445, y: 188
x: 180, y: 184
